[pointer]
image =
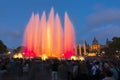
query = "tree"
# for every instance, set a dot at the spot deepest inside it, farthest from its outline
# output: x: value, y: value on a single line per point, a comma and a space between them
x: 3, y: 47
x: 18, y: 49
x: 112, y: 47
x: 115, y: 43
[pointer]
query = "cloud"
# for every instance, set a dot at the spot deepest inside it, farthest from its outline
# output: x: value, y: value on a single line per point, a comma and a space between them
x: 11, y: 33
x: 109, y: 31
x: 98, y: 7
x: 103, y: 17
x: 102, y: 33
x: 12, y: 38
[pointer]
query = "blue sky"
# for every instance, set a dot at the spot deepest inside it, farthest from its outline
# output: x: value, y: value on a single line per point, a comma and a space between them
x: 91, y: 18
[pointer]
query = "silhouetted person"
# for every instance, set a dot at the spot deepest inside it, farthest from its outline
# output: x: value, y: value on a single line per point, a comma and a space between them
x: 55, y: 70
x: 108, y: 75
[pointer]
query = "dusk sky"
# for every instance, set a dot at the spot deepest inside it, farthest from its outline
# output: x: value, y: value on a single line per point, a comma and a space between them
x: 91, y: 18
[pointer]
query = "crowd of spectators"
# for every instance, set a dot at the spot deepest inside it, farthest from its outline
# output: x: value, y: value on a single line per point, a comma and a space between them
x: 54, y: 69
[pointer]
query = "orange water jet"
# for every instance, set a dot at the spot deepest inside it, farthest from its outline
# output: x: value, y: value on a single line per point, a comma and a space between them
x: 46, y: 37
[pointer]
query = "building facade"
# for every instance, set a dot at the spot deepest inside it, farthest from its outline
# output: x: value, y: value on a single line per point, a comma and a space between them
x: 95, y: 46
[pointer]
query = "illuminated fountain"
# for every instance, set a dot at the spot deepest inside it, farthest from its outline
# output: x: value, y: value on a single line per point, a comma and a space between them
x: 84, y: 46
x: 47, y: 38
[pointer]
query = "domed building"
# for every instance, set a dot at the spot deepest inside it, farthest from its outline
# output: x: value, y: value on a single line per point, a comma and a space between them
x: 91, y: 50
x: 95, y: 47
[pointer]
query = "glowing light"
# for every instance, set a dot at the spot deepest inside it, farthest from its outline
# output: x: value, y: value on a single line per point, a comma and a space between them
x: 73, y: 58
x: 44, y: 57
x: 46, y: 37
x: 91, y: 54
x: 77, y: 58
x: 69, y: 38
x: 15, y: 56
x: 8, y: 52
x: 81, y: 58
x: 18, y: 55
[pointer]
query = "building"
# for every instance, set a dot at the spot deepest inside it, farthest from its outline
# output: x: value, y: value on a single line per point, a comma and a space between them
x: 91, y: 49
x: 96, y: 46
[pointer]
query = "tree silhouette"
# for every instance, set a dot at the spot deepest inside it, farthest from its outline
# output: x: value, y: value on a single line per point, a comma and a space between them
x: 3, y: 47
x: 112, y: 47
x: 18, y: 49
